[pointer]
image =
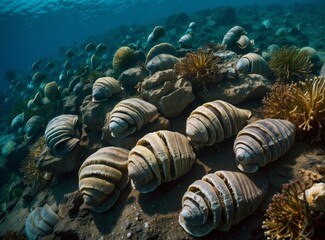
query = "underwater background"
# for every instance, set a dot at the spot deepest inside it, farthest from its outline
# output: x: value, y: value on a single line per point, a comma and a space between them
x: 167, y: 119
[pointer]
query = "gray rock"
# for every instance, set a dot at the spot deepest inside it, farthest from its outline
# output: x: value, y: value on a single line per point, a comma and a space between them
x: 131, y: 77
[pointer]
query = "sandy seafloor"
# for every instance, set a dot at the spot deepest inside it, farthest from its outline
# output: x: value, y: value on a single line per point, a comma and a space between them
x: 155, y: 215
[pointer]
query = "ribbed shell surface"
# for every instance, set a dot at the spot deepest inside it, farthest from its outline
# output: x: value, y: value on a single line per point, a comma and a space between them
x: 32, y: 126
x: 51, y: 90
x: 220, y: 200
x: 129, y: 116
x: 61, y: 135
x: 262, y: 142
x: 104, y: 88
x: 102, y: 177
x: 160, y: 156
x: 214, y: 121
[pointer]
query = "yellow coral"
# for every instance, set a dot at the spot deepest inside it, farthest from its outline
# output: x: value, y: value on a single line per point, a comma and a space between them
x: 288, y: 63
x: 302, y: 103
x: 288, y: 216
x: 200, y: 68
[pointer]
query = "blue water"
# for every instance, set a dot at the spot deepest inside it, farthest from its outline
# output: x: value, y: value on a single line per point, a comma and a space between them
x: 32, y: 29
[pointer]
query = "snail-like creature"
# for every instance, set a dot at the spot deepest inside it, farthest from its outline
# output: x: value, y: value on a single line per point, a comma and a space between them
x: 233, y: 35
x: 160, y: 48
x: 220, y: 200
x: 60, y: 134
x: 51, y: 90
x: 162, y: 62
x: 102, y: 176
x: 186, y: 41
x: 130, y: 115
x: 214, y: 121
x: 262, y: 142
x: 104, y: 88
x: 244, y: 42
x: 253, y: 63
x: 160, y: 156
x: 32, y: 126
x: 18, y: 121
x: 157, y: 32
x: 40, y: 222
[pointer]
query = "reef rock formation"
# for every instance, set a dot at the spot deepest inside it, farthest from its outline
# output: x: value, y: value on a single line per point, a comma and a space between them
x: 163, y: 90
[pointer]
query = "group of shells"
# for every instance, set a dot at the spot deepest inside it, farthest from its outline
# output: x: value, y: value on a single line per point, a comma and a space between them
x: 218, y: 200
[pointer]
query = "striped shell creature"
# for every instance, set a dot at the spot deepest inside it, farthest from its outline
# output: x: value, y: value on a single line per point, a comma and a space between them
x: 262, y: 142
x: 104, y: 88
x: 160, y: 156
x: 18, y: 121
x: 160, y: 48
x: 102, y: 176
x: 130, y: 115
x: 32, y: 126
x: 51, y: 90
x: 40, y: 222
x: 186, y: 41
x: 253, y: 63
x: 233, y: 35
x: 60, y: 134
x: 162, y: 62
x: 157, y: 32
x: 214, y: 121
x: 220, y: 200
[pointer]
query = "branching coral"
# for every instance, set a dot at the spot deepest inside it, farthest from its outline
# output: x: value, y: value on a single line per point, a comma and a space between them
x: 31, y: 174
x: 302, y: 103
x: 288, y: 63
x: 288, y: 216
x: 200, y: 68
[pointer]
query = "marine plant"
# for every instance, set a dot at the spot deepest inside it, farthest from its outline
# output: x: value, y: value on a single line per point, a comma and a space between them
x: 32, y: 176
x: 302, y: 103
x: 288, y: 63
x: 200, y: 68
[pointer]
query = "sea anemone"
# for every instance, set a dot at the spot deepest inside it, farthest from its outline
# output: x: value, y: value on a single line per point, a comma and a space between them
x: 32, y: 176
x: 288, y: 63
x: 302, y: 103
x: 125, y: 58
x: 200, y: 68
x: 288, y: 216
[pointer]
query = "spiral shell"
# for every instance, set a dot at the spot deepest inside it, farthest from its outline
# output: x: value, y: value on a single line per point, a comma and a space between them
x: 61, y: 135
x: 41, y: 222
x: 102, y: 177
x: 32, y: 126
x: 157, y: 32
x: 38, y: 76
x: 51, y: 90
x: 262, y: 142
x: 214, y: 121
x: 129, y: 116
x: 244, y: 42
x: 162, y: 62
x: 18, y: 121
x: 253, y: 63
x: 233, y: 35
x: 104, y: 88
x: 186, y: 41
x: 220, y: 200
x: 159, y: 49
x: 160, y: 156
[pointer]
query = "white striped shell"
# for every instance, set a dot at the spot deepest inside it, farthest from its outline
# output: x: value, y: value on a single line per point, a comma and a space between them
x: 18, y: 121
x: 186, y: 41
x: 104, y: 88
x: 214, y: 121
x: 220, y: 200
x: 253, y: 63
x: 159, y: 49
x: 233, y: 35
x: 102, y: 176
x: 130, y: 115
x: 60, y: 134
x: 32, y: 126
x: 160, y: 156
x: 162, y: 62
x: 244, y: 42
x: 262, y: 142
x: 40, y: 222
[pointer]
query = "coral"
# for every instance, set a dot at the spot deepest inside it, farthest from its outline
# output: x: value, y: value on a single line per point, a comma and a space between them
x: 12, y: 235
x: 200, y: 68
x: 288, y: 63
x: 288, y: 216
x: 31, y: 174
x: 302, y: 103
